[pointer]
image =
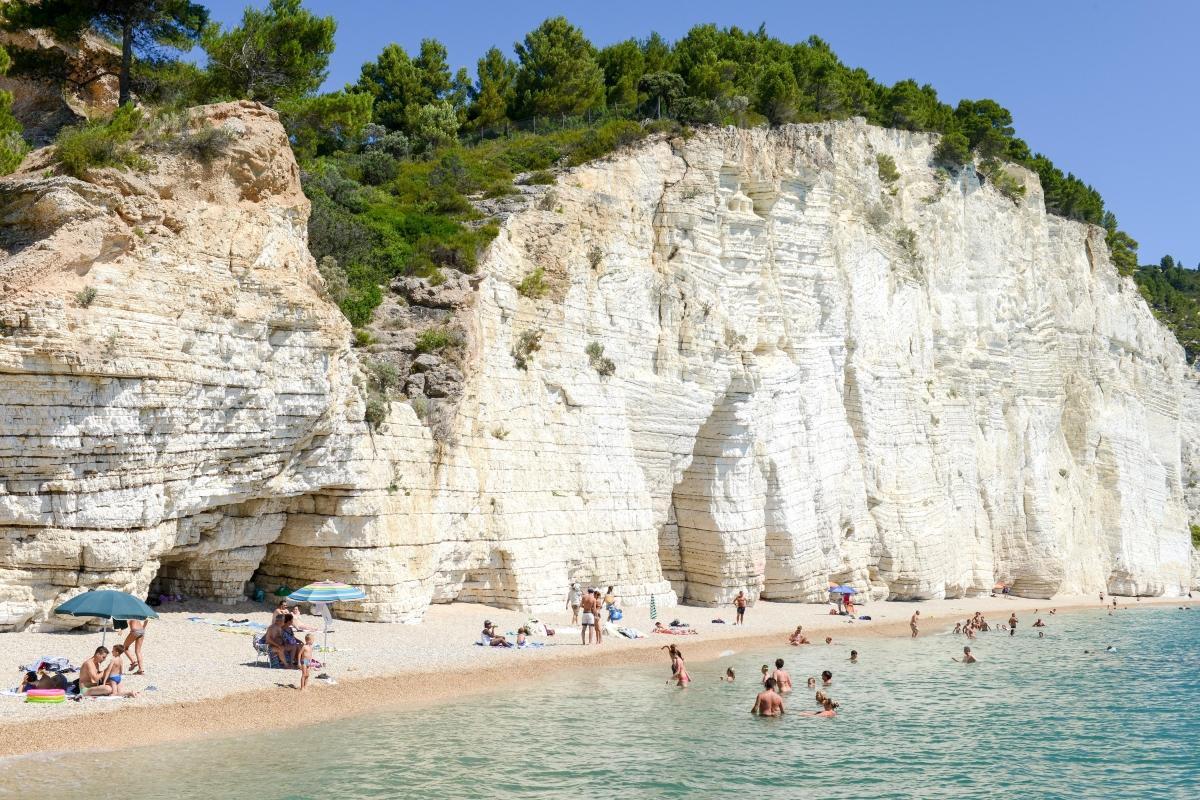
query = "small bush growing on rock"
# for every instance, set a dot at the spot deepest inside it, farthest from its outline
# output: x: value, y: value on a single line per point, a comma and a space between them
x: 1196, y: 536
x: 533, y: 285
x: 906, y: 238
x: 384, y: 376
x: 500, y: 432
x: 595, y: 256
x: 100, y: 143
x: 953, y: 150
x: 377, y: 409
x: 205, y: 144
x: 433, y: 340
x: 877, y: 216
x: 528, y: 343
x: 363, y: 338
x: 1003, y: 180
x: 887, y: 169
x: 85, y: 296
x: 604, y: 366
x: 539, y: 178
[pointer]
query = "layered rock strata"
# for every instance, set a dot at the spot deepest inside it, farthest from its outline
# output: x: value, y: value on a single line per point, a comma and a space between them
x: 758, y: 366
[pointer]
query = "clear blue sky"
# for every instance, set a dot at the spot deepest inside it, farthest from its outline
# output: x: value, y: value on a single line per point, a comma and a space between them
x: 1107, y: 89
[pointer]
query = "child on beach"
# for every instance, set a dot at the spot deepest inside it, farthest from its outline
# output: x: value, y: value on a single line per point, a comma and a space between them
x: 306, y: 659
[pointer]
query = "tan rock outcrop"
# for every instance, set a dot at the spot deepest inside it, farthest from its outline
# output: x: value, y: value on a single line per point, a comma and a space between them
x: 814, y: 377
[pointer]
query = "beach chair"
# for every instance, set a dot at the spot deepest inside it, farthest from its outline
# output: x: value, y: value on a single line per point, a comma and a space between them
x: 261, y: 651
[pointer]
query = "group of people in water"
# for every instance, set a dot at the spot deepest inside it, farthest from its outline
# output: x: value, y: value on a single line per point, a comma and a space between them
x: 774, y: 684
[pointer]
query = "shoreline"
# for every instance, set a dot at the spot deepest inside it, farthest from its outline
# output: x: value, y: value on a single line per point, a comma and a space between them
x: 229, y: 709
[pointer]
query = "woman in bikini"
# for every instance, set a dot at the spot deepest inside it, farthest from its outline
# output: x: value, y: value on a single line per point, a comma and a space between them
x: 133, y: 645
x: 678, y: 669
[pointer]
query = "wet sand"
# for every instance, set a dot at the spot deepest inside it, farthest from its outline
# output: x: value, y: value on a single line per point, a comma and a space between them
x: 207, y: 683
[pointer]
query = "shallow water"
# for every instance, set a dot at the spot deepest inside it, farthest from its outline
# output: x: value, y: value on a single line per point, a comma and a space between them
x: 1035, y: 718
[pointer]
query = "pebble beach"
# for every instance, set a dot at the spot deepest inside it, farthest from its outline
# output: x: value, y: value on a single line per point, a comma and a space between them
x: 207, y: 682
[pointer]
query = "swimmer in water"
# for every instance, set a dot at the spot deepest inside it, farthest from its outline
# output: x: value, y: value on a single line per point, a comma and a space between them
x: 826, y: 678
x: 853, y: 656
x: 828, y: 640
x: 783, y: 681
x: 1039, y: 623
x: 812, y: 682
x: 728, y: 676
x: 967, y: 657
x: 768, y: 703
x: 828, y: 707
x: 766, y: 674
x: 958, y: 627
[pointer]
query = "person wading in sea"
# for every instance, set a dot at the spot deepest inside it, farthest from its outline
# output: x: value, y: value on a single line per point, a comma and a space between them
x: 912, y: 623
x: 1012, y: 624
x: 967, y: 657
x: 783, y: 681
x: 768, y: 703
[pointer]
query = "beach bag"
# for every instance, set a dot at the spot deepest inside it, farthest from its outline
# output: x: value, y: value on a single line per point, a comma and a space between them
x: 614, y: 614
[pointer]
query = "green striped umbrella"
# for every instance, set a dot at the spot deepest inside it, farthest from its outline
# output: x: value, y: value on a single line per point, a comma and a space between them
x: 653, y: 609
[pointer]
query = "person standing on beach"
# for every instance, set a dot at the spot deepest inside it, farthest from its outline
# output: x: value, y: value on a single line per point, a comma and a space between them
x: 133, y: 645
x: 768, y: 703
x: 597, y: 617
x: 586, y: 622
x: 306, y: 659
x: 912, y: 622
x: 610, y: 599
x: 1012, y: 624
x: 783, y: 681
x: 739, y: 603
x: 574, y: 600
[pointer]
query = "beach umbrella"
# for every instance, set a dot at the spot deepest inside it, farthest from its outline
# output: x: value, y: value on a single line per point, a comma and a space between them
x: 106, y: 604
x: 843, y: 590
x: 653, y: 608
x: 323, y: 592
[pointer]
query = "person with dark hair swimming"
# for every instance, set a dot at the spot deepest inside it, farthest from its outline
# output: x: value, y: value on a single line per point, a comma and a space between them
x: 967, y: 657
x: 783, y: 681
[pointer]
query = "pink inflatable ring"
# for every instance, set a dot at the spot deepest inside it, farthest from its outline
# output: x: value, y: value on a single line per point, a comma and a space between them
x: 45, y: 696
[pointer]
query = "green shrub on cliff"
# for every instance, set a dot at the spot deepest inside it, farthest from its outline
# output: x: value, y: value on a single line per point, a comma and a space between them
x: 100, y: 143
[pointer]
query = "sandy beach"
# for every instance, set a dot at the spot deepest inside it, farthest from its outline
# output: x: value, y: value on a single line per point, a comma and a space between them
x: 206, y: 681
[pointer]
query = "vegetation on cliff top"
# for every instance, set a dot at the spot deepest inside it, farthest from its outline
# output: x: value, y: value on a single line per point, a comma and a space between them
x: 391, y: 160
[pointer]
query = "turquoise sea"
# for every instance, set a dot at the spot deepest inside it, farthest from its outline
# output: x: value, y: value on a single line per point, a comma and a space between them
x: 1036, y: 718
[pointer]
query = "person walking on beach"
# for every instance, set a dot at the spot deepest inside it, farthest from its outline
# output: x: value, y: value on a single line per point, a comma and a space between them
x: 768, y: 703
x: 783, y: 681
x: 587, y: 621
x: 1012, y: 624
x: 133, y: 645
x: 912, y: 622
x: 574, y: 600
x: 967, y: 657
x: 610, y: 599
x: 739, y: 603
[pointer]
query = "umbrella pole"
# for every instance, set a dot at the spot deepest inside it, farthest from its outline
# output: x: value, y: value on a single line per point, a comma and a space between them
x: 104, y: 633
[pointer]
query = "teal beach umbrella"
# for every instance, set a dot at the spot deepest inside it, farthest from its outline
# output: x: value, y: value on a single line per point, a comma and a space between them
x: 107, y: 604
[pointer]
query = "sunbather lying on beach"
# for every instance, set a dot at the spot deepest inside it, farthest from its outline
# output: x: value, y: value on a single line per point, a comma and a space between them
x: 660, y: 628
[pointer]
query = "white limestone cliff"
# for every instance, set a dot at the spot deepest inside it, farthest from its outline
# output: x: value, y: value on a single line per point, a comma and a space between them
x: 921, y: 389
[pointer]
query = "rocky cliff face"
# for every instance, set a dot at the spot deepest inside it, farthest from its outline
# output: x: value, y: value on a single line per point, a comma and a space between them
x: 758, y: 366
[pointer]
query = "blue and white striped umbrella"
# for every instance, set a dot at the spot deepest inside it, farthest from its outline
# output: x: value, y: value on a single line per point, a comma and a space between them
x: 326, y: 592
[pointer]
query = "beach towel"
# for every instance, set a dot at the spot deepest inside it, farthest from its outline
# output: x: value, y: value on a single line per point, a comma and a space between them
x: 631, y: 633
x: 530, y: 646
x: 676, y: 631
x: 50, y: 664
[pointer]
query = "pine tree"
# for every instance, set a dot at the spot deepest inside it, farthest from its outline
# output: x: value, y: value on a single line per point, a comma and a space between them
x: 558, y: 73
x: 143, y: 27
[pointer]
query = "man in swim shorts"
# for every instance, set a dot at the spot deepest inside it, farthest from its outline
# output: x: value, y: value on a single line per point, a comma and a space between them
x: 768, y: 703
x: 1012, y: 624
x: 588, y: 620
x: 912, y: 622
x: 739, y: 602
x: 783, y: 681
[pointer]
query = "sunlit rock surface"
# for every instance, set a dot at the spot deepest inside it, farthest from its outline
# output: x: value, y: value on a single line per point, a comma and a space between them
x: 921, y: 389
